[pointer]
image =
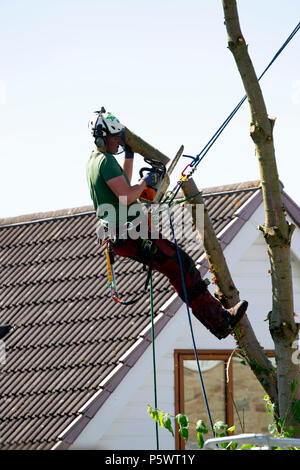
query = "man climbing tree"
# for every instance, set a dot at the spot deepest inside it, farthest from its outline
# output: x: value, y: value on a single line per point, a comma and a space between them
x: 109, y: 184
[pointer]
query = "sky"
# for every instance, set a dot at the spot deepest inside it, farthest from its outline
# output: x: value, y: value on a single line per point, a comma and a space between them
x: 162, y: 67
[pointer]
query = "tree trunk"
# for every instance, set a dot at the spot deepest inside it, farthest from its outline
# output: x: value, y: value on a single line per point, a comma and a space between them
x: 277, y: 231
x: 228, y: 294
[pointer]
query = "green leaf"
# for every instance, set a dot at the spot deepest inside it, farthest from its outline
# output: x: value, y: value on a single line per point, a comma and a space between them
x: 272, y: 428
x: 182, y: 420
x: 291, y: 431
x: 293, y: 386
x: 280, y: 422
x: 232, y: 445
x: 220, y: 426
x: 253, y: 365
x: 270, y: 406
x: 184, y: 432
x: 200, y: 427
x: 246, y: 446
x: 161, y: 420
x: 200, y: 440
x: 231, y: 429
x: 167, y: 423
x: 296, y: 410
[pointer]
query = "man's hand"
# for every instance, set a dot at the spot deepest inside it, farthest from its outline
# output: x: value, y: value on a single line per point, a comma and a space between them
x: 128, y: 152
x: 151, y: 178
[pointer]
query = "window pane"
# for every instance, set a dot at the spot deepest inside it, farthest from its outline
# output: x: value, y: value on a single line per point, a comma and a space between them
x: 250, y: 415
x: 194, y: 404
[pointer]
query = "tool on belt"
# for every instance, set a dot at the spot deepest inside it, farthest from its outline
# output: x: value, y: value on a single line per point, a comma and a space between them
x: 112, y: 284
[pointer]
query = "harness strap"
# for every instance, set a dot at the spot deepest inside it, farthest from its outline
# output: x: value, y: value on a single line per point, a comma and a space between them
x: 111, y: 274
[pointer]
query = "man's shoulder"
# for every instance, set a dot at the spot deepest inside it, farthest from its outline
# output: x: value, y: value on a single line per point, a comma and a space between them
x: 106, y: 163
x: 95, y: 154
x: 97, y: 158
x: 107, y: 157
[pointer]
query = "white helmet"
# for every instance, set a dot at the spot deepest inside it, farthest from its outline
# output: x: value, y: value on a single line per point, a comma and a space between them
x: 104, y: 124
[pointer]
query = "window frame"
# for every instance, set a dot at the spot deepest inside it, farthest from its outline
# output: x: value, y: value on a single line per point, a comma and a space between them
x: 204, y: 354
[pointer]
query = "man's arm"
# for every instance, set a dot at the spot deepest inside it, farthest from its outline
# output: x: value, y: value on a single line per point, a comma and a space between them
x: 128, y: 160
x: 121, y: 188
x: 127, y: 167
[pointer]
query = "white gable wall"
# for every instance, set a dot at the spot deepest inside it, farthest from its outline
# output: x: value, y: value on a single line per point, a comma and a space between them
x: 254, y: 283
x: 122, y: 422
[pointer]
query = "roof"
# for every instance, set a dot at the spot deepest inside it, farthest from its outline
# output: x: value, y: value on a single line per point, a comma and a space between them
x: 72, y: 345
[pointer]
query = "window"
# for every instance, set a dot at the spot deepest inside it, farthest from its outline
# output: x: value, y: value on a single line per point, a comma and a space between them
x: 234, y: 395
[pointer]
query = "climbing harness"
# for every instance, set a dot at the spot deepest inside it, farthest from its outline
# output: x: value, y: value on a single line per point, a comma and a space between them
x: 111, y: 282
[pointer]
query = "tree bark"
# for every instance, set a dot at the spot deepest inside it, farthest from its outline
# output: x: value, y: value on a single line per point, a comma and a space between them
x: 138, y: 145
x: 228, y: 294
x: 277, y: 231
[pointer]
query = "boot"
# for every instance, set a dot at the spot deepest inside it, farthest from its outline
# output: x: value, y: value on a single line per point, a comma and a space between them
x: 210, y: 312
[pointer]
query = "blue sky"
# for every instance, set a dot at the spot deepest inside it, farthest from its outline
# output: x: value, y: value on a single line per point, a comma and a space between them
x: 162, y: 67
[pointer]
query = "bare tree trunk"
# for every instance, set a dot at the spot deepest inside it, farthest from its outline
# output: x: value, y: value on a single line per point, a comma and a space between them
x: 228, y: 294
x: 277, y: 231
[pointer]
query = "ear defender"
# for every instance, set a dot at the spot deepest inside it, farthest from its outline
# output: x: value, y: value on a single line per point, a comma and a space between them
x: 98, y: 130
x: 99, y: 141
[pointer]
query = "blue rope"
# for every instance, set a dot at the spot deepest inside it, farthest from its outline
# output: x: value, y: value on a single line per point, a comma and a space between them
x: 190, y: 323
x: 153, y: 358
x: 195, y: 161
x: 222, y: 127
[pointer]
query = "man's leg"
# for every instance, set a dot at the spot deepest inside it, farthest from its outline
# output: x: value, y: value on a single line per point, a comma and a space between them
x: 163, y: 255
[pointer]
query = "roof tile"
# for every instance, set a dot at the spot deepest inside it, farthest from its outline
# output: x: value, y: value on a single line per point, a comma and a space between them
x: 72, y: 344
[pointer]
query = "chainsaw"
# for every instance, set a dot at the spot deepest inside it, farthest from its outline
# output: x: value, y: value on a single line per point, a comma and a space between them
x: 154, y: 194
x: 149, y: 193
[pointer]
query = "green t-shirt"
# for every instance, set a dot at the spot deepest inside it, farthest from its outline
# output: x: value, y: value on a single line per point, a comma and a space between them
x: 101, y: 167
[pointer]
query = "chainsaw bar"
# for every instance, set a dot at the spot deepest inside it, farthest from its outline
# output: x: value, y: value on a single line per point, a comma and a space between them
x: 166, y: 180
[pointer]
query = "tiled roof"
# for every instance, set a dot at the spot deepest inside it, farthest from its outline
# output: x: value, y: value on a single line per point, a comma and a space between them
x: 65, y: 353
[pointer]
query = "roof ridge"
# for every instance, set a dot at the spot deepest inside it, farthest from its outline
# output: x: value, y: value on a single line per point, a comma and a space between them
x: 71, y: 212
x: 43, y: 216
x: 232, y: 187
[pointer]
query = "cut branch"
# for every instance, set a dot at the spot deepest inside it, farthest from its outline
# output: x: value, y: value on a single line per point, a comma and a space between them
x: 229, y: 296
x: 138, y: 145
